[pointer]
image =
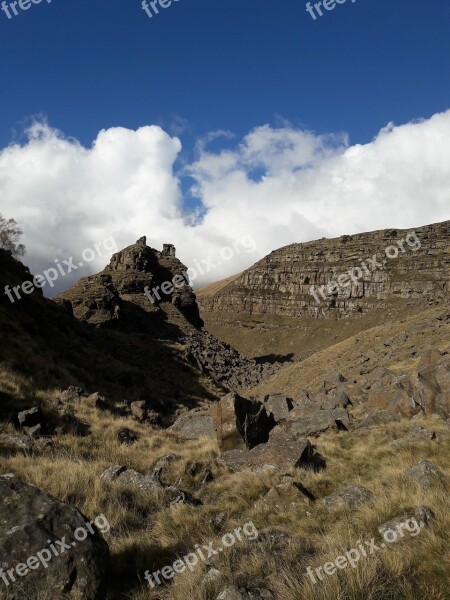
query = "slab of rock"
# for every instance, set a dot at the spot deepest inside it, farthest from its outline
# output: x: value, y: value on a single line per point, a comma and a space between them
x: 240, y: 422
x: 282, y: 452
x: 32, y: 518
x: 234, y: 593
x: 112, y: 473
x: 72, y: 394
x: 287, y: 494
x: 127, y: 436
x: 143, y: 413
x: 352, y: 496
x: 30, y: 418
x: 421, y: 516
x: 426, y: 474
x: 376, y: 418
x: 317, y: 422
x: 15, y: 443
x: 278, y: 405
x: 195, y: 424
x: 332, y: 381
x: 416, y: 435
x: 149, y: 484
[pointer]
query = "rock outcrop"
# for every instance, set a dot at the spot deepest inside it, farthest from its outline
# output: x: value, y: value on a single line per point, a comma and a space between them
x: 32, y: 522
x: 137, y: 274
x: 409, y: 264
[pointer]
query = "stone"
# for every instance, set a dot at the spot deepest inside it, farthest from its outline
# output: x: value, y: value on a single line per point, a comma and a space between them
x: 112, y: 473
x: 282, y: 451
x: 240, y: 422
x: 278, y: 405
x: 317, y: 422
x: 234, y: 593
x: 421, y: 516
x: 15, y: 443
x: 282, y: 282
x: 426, y: 474
x: 376, y: 418
x: 416, y: 435
x: 30, y: 418
x: 353, y: 496
x: 127, y: 436
x: 72, y: 394
x: 195, y: 424
x: 149, y: 484
x: 287, y: 494
x: 32, y: 518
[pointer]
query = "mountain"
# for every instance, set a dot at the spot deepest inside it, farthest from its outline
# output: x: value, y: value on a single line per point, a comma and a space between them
x: 304, y: 297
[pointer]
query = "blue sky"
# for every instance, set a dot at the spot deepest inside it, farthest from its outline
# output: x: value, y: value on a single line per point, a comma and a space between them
x: 228, y: 64
x: 334, y: 125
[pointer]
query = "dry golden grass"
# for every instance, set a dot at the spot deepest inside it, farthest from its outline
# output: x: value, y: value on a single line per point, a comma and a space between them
x: 146, y: 535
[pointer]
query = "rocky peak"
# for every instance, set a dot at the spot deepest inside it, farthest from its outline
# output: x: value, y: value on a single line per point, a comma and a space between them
x: 134, y: 275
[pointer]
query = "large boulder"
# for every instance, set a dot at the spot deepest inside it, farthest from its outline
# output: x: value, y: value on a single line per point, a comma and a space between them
x: 241, y: 423
x: 426, y: 474
x: 353, y: 496
x: 195, y: 424
x: 31, y: 525
x: 281, y: 452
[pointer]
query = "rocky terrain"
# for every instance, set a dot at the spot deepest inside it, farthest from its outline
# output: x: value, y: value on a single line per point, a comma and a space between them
x: 131, y: 437
x: 383, y: 265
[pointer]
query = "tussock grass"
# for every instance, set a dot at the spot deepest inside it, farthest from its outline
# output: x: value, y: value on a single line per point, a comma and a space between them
x: 146, y: 535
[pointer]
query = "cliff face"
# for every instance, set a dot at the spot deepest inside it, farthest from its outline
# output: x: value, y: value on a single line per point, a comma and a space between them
x: 343, y: 276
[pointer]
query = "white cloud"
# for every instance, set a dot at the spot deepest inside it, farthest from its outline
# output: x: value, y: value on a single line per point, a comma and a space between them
x: 279, y: 185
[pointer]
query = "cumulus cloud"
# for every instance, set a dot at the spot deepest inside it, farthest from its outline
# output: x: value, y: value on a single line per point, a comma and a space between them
x: 276, y: 186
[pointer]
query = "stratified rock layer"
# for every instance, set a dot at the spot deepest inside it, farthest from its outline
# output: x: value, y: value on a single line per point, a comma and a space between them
x: 282, y: 282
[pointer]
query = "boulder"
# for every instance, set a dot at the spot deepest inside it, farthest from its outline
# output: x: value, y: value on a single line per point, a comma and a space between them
x: 149, y: 484
x: 352, y: 496
x: 241, y: 423
x: 234, y: 593
x: 284, y: 495
x: 426, y: 474
x: 301, y: 424
x: 72, y: 394
x: 421, y: 516
x: 144, y: 414
x: 416, y: 435
x: 278, y: 405
x: 283, y: 452
x: 127, y: 436
x: 376, y: 418
x: 32, y: 521
x: 195, y: 424
x: 15, y: 443
x: 30, y: 418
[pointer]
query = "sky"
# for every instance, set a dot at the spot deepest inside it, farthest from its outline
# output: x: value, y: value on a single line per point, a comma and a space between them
x: 228, y: 128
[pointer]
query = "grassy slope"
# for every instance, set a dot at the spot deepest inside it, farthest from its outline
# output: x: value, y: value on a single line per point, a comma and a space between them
x: 145, y: 536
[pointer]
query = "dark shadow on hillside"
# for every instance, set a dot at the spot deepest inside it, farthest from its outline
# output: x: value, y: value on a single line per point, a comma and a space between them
x: 132, y: 359
x: 275, y: 358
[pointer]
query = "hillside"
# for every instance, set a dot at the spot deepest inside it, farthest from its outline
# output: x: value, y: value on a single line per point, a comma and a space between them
x: 336, y: 433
